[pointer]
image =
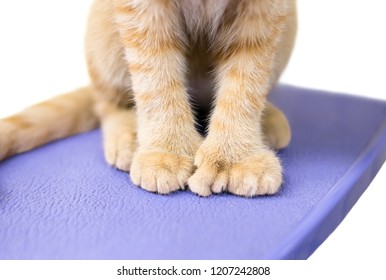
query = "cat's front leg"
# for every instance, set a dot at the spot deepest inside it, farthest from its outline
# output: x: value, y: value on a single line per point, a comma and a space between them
x: 167, y: 138
x: 234, y: 156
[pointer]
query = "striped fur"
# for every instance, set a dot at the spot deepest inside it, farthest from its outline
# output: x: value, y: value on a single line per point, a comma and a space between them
x: 59, y: 117
x: 148, y: 61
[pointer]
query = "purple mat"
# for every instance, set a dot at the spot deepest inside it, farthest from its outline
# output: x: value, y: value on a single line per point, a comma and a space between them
x: 62, y: 201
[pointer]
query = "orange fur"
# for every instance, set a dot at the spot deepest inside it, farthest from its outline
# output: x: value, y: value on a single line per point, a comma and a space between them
x: 160, y: 55
x: 59, y: 117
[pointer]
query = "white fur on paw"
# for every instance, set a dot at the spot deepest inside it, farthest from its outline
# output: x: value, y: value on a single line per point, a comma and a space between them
x: 260, y: 174
x: 119, y: 151
x: 161, y: 172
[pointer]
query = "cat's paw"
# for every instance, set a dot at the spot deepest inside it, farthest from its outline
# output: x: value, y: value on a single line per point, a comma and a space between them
x: 119, y: 150
x: 276, y: 128
x: 259, y: 174
x: 161, y: 172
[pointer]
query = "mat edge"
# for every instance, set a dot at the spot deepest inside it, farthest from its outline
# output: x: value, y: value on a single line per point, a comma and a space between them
x: 322, y: 221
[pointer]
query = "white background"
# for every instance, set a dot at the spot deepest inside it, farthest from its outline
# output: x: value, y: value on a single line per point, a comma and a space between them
x: 341, y: 47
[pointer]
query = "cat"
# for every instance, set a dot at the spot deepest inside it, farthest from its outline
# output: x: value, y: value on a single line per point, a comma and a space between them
x: 151, y: 62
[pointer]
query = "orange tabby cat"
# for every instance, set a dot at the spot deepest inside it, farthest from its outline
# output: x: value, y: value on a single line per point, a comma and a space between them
x: 149, y: 60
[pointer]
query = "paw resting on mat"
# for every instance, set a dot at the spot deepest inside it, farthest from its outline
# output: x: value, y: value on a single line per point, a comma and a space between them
x: 257, y: 174
x: 147, y: 62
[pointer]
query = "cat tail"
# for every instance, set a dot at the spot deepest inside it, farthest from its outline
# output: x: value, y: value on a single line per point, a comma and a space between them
x: 56, y: 118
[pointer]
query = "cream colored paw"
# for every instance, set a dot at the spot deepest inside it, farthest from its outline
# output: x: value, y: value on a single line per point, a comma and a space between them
x: 161, y: 172
x: 119, y: 150
x: 276, y: 128
x: 260, y: 174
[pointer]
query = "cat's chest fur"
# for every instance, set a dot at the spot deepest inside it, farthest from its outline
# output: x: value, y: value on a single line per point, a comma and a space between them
x: 202, y: 19
x: 203, y: 14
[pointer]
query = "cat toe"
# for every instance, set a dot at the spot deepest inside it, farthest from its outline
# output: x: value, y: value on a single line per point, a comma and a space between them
x: 119, y: 151
x: 260, y: 174
x: 161, y: 172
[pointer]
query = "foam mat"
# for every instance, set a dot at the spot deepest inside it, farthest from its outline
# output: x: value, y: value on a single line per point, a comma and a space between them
x: 62, y: 201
